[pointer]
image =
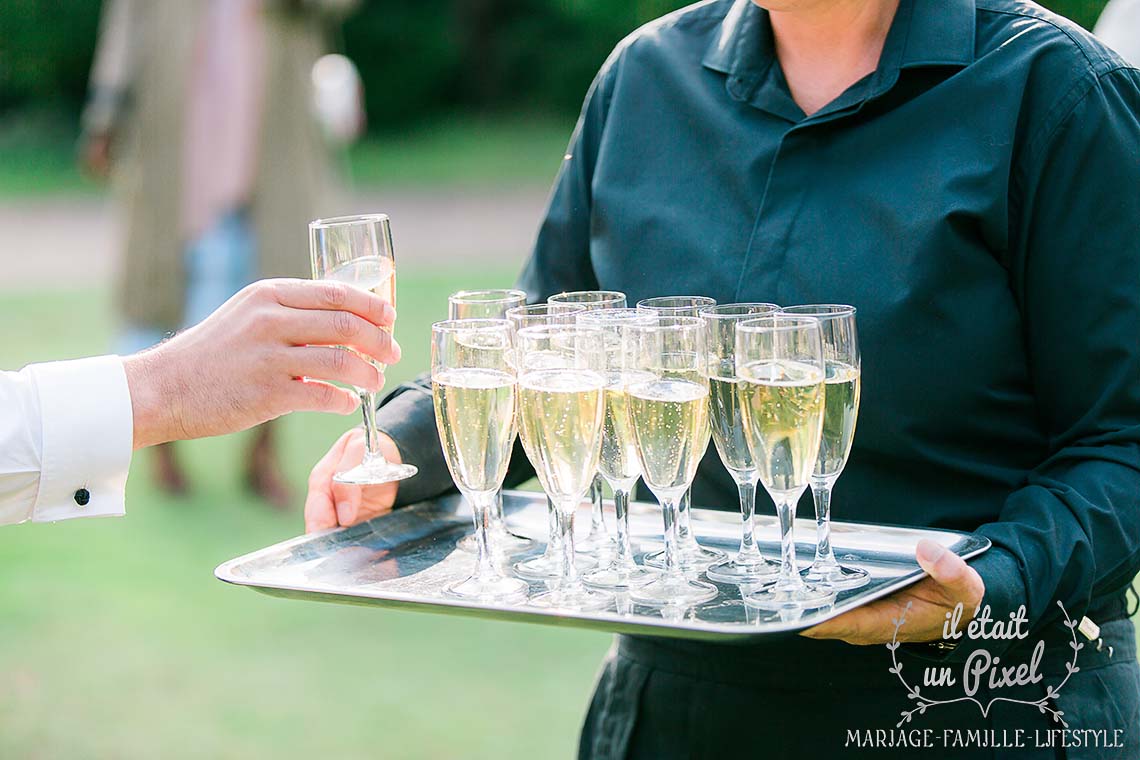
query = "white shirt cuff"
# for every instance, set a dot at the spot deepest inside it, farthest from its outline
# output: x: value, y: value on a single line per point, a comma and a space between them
x: 88, y: 438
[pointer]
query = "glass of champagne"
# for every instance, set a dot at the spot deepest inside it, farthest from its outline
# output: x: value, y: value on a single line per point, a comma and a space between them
x: 619, y: 464
x: 474, y: 389
x: 779, y: 360
x: 483, y: 304
x: 676, y: 306
x: 669, y: 415
x: 693, y: 555
x: 539, y: 314
x: 598, y: 541
x: 548, y: 565
x: 490, y: 304
x: 748, y: 566
x: 357, y: 250
x: 591, y: 299
x: 841, y: 392
x: 561, y: 385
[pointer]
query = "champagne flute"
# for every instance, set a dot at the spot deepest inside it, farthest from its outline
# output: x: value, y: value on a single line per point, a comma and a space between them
x: 748, y: 566
x: 489, y: 304
x: 619, y: 464
x: 669, y: 414
x: 357, y: 250
x: 560, y: 424
x: 598, y: 541
x: 591, y: 299
x: 841, y: 392
x: 779, y: 360
x: 483, y: 304
x: 548, y: 565
x: 474, y: 389
x: 676, y: 306
x: 540, y: 314
x: 693, y: 555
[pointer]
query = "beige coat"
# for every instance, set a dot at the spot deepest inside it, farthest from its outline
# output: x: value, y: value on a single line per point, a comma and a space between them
x: 138, y: 85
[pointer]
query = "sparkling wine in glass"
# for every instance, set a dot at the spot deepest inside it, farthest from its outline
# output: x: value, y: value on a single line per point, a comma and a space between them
x: 779, y: 360
x: 619, y: 464
x: 483, y: 304
x: 358, y: 251
x: 490, y: 304
x: 561, y: 385
x: 692, y: 555
x: 598, y: 542
x: 548, y: 565
x: 669, y: 415
x: 474, y: 388
x: 748, y: 567
x: 840, y: 411
x: 591, y: 299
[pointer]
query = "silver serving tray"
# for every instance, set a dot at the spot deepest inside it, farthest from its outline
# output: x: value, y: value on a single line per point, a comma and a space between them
x: 405, y: 560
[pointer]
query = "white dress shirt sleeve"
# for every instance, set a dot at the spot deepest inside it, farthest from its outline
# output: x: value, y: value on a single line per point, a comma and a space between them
x: 66, y: 438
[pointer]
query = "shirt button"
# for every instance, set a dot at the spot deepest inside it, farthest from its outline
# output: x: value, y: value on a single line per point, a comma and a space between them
x: 82, y: 496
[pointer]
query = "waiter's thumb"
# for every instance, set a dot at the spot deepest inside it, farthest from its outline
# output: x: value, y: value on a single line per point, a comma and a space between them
x: 959, y: 581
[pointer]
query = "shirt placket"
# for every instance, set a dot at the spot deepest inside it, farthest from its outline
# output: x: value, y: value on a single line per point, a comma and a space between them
x: 764, y: 272
x: 766, y: 255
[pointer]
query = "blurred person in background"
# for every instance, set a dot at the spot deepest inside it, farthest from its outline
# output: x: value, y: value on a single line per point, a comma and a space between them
x: 1119, y: 28
x: 202, y: 112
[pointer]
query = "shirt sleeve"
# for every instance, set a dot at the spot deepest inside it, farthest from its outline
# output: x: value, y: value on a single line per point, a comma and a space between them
x: 560, y: 261
x: 1072, y: 531
x: 66, y: 438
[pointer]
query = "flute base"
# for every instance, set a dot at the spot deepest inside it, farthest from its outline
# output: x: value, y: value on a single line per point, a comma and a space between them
x: 673, y: 590
x: 575, y: 598
x: 692, y: 557
x: 782, y: 597
x: 501, y: 540
x: 548, y: 568
x: 620, y: 577
x: 835, y: 576
x: 598, y: 545
x: 495, y: 589
x: 744, y: 572
x: 375, y: 473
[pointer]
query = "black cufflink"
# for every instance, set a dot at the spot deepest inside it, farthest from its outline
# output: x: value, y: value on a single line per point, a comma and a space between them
x: 82, y: 496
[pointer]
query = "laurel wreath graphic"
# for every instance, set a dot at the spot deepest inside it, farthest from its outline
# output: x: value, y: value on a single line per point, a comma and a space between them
x: 924, y: 702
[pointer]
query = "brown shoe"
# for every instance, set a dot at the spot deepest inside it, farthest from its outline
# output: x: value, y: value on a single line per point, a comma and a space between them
x: 263, y: 471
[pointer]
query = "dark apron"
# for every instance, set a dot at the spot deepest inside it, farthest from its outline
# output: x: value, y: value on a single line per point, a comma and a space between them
x: 798, y: 698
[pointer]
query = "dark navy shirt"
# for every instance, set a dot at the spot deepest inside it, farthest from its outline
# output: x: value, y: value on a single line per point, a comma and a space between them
x: 977, y: 198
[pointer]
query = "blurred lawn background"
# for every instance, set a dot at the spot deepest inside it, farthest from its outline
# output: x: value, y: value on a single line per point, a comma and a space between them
x: 115, y: 640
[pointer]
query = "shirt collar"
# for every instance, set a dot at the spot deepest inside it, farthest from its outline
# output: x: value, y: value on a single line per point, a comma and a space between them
x: 923, y: 33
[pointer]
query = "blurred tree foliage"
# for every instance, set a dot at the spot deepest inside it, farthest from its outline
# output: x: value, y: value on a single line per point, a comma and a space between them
x: 418, y: 59
x: 45, y: 50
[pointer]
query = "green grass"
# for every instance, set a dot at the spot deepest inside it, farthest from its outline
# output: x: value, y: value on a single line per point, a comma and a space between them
x: 117, y: 642
x: 464, y: 152
x: 38, y: 157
